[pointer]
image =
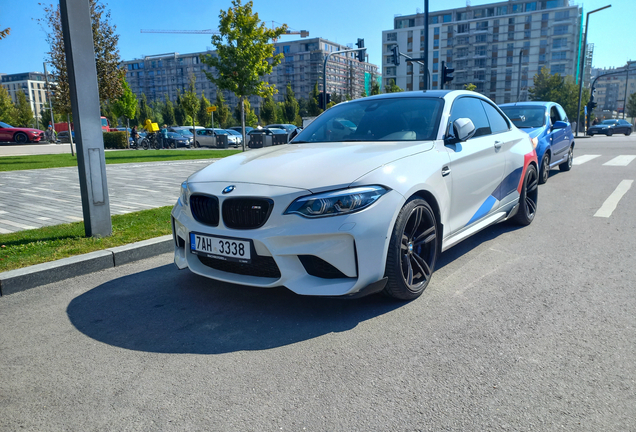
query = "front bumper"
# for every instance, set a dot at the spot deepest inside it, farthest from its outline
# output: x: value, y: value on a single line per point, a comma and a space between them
x: 354, y: 245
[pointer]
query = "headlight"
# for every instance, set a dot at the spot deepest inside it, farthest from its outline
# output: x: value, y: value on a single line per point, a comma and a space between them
x: 337, y: 202
x: 184, y: 197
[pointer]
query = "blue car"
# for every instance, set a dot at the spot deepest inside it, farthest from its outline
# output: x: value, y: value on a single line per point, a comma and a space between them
x: 547, y: 123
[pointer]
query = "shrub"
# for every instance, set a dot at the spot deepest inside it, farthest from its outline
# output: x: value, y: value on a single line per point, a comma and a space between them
x: 115, y: 140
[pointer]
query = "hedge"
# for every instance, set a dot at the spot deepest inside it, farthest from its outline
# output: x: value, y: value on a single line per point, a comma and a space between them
x: 115, y: 140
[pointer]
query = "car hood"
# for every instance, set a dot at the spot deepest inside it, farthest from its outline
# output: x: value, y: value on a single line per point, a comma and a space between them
x: 314, y: 167
x: 26, y: 129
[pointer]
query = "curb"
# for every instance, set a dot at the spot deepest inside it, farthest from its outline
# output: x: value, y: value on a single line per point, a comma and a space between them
x: 14, y: 281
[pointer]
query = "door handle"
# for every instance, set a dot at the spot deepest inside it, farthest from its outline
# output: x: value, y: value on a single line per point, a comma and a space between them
x: 445, y: 171
x: 498, y: 144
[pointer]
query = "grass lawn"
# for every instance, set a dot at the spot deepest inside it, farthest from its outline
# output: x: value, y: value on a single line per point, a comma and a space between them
x: 14, y: 163
x: 46, y: 244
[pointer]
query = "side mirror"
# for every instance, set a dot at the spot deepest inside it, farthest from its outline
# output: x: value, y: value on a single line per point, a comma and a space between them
x: 464, y: 129
x: 559, y: 125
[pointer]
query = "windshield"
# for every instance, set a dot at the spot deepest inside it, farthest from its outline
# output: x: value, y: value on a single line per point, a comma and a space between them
x: 221, y: 132
x: 525, y: 116
x: 184, y: 132
x: 391, y: 119
x: 608, y: 122
x: 4, y: 125
x: 104, y: 122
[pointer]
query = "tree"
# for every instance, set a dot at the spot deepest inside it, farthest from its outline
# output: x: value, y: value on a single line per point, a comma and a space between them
x: 375, y: 85
x: 313, y: 109
x: 4, y: 33
x: 203, y: 116
x: 290, y: 106
x: 251, y: 119
x: 470, y: 87
x: 105, y: 40
x: 562, y: 90
x: 179, y: 113
x: 268, y: 110
x: 222, y: 113
x: 168, y: 112
x: 392, y: 87
x: 190, y: 103
x: 23, y: 113
x: 145, y: 112
x: 631, y: 105
x: 126, y: 104
x: 106, y: 109
x: 244, y: 53
x: 7, y: 109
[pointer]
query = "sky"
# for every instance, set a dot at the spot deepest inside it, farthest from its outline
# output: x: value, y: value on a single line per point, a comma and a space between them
x: 24, y: 50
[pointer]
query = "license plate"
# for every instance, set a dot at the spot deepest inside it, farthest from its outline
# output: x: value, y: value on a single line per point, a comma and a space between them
x: 224, y: 248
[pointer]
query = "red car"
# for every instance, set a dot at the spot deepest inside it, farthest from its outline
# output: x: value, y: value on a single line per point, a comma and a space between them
x: 19, y: 135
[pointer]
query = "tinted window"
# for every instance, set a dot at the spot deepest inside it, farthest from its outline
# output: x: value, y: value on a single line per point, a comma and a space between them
x: 554, y: 115
x: 497, y: 122
x: 564, y: 116
x: 468, y: 107
x: 525, y: 116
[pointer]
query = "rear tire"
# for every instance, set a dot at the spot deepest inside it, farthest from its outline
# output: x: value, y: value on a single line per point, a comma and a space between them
x: 413, y: 250
x: 545, y: 169
x: 528, y: 198
x: 609, y: 132
x: 628, y: 133
x: 145, y: 144
x: 567, y: 165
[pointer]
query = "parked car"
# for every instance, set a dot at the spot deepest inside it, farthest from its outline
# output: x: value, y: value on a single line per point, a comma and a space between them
x: 292, y: 130
x: 238, y: 135
x: 62, y: 137
x: 610, y: 127
x: 549, y: 125
x: 207, y: 138
x: 422, y: 172
x: 248, y: 129
x: 184, y: 132
x: 20, y: 135
x: 176, y: 140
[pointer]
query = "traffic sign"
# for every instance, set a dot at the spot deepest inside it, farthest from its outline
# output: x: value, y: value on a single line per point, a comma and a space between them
x: 211, y: 108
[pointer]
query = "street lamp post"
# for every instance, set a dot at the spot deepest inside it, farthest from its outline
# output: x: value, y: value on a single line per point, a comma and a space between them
x: 582, y: 67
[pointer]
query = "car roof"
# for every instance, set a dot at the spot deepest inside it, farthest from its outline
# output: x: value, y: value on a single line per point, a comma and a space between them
x: 528, y: 103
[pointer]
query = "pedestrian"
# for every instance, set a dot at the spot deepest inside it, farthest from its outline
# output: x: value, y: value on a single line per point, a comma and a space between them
x: 134, y: 135
x: 164, y: 136
x: 50, y: 134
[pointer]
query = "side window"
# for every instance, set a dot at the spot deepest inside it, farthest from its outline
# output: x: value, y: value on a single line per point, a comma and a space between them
x: 469, y: 107
x: 497, y: 122
x: 564, y: 116
x: 554, y: 115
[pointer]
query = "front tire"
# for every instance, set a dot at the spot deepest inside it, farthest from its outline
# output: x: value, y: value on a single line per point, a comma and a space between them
x: 545, y: 169
x: 628, y: 133
x: 609, y: 132
x: 413, y: 250
x: 528, y: 198
x: 21, y: 138
x: 145, y: 144
x: 567, y: 165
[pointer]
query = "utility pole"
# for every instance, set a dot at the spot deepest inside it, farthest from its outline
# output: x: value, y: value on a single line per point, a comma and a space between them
x: 48, y: 92
x: 519, y: 76
x: 82, y: 75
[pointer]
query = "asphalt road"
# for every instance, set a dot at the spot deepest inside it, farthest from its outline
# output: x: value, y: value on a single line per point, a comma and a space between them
x: 521, y: 329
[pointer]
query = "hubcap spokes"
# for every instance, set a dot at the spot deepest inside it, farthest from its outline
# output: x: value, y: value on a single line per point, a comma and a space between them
x: 417, y: 249
x: 531, y: 194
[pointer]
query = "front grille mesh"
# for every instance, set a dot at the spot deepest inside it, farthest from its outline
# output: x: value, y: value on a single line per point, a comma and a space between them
x: 246, y: 213
x: 205, y: 209
x: 261, y: 266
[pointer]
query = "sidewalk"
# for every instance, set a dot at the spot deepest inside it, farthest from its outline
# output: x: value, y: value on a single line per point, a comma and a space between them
x: 35, y: 198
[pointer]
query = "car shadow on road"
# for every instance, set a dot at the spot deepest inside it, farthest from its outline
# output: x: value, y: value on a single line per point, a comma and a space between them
x: 165, y: 310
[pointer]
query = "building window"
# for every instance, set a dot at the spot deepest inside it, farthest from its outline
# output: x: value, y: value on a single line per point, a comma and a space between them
x: 545, y: 17
x: 502, y: 10
x: 461, y: 16
x: 436, y: 30
x: 562, y: 15
x: 482, y: 38
x: 447, y: 18
x: 561, y: 29
x: 516, y: 8
x: 480, y: 50
x: 559, y: 43
x: 532, y: 6
x: 480, y: 63
x: 433, y: 19
x: 391, y: 37
x: 560, y: 68
x: 559, y: 55
x: 482, y: 25
x: 435, y: 43
x: 511, y: 35
x: 463, y: 28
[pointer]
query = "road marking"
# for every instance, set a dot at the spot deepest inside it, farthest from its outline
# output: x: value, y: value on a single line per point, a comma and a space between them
x: 580, y: 160
x: 612, y: 201
x: 622, y: 160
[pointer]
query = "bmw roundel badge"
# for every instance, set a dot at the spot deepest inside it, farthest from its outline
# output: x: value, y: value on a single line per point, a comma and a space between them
x: 228, y: 189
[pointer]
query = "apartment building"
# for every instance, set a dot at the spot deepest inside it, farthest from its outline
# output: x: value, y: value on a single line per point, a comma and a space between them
x: 498, y: 47
x: 302, y: 66
x: 32, y: 84
x: 613, y: 90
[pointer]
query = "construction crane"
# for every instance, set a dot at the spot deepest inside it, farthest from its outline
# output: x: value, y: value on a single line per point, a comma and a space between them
x: 302, y: 33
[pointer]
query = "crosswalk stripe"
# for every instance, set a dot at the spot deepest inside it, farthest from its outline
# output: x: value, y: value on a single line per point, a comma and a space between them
x: 612, y: 201
x: 622, y: 160
x: 580, y: 160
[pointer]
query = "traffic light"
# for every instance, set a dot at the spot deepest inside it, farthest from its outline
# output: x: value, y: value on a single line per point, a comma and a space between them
x: 395, y: 54
x: 361, y: 53
x: 321, y: 100
x: 591, y: 104
x: 446, y: 74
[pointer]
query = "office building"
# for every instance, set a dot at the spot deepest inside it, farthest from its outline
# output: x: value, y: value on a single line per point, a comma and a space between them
x: 614, y: 89
x: 498, y: 47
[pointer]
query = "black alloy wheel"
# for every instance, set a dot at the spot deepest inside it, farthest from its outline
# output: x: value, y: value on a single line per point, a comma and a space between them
x: 609, y: 132
x: 628, y: 132
x: 567, y: 165
x: 412, y: 251
x: 545, y: 168
x: 21, y: 138
x: 528, y: 198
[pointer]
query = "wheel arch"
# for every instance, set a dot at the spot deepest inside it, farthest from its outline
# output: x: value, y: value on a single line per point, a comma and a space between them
x: 432, y: 201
